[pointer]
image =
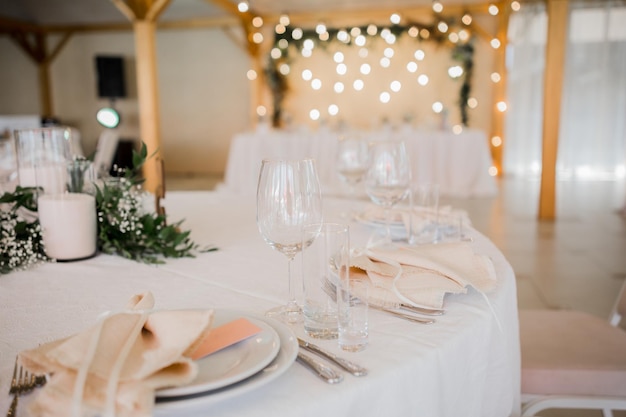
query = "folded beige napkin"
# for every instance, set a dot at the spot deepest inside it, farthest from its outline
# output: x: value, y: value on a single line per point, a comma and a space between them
x: 114, y: 367
x: 422, y: 275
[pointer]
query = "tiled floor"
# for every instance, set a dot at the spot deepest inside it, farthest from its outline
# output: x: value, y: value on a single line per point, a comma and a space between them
x: 577, y: 261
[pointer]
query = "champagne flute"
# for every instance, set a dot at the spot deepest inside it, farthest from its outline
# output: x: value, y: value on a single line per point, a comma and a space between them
x: 388, y: 178
x: 288, y: 198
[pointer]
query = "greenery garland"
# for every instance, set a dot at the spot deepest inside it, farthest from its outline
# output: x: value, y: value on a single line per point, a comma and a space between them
x: 462, y: 52
x: 124, y: 228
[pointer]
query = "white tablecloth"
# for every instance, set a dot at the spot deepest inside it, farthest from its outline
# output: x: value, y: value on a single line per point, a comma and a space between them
x: 459, y: 163
x: 467, y: 364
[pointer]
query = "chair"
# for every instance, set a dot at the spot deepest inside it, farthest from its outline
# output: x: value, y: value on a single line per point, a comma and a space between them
x: 574, y: 360
x: 105, y: 152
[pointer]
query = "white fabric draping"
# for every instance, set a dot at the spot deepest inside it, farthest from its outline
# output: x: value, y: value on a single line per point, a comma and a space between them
x: 459, y: 163
x: 467, y: 364
x: 592, y: 142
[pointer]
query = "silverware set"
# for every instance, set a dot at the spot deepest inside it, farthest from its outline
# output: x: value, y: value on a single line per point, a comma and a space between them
x: 402, y: 311
x: 22, y: 382
x: 321, y: 369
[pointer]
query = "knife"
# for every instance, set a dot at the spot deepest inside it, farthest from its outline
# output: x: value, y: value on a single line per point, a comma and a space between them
x: 325, y: 372
x: 351, y: 367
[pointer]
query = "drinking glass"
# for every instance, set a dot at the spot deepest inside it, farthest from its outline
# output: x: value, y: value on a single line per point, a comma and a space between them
x: 8, y: 165
x: 352, y: 161
x: 388, y: 178
x: 288, y: 198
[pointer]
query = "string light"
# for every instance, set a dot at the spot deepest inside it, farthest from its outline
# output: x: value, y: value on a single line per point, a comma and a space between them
x: 320, y: 28
x: 360, y: 40
x: 355, y: 31
x: 385, y: 97
x: 515, y: 6
x: 283, y: 44
x: 316, y: 84
x: 442, y: 26
x: 395, y: 86
x: 333, y: 109
x: 395, y: 18
x: 466, y: 19
x: 455, y: 71
x: 411, y: 67
x: 413, y: 32
x: 251, y: 75
x: 280, y: 29
x: 342, y: 69
x: 372, y: 30
x: 493, y: 171
x: 457, y: 129
x: 437, y: 7
x: 338, y: 87
x: 419, y: 55
x: 284, y: 20
x: 495, y: 77
x: 385, y: 62
x: 437, y: 107
x: 363, y: 52
x: 343, y: 36
x: 493, y: 10
x: 307, y: 75
x: 261, y: 111
x: 496, y: 141
x: 358, y: 84
x: 495, y: 43
x: 276, y: 53
x: 284, y: 69
x: 297, y: 34
x: 338, y: 57
x: 257, y: 38
x: 324, y: 36
x: 453, y: 37
x: 306, y: 53
x: 472, y: 103
x: 501, y: 106
x: 314, y: 114
x: 422, y: 79
x: 243, y: 6
x: 365, y: 69
x: 257, y: 21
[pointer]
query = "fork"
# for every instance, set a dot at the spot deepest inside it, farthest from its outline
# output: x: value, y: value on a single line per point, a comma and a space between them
x: 22, y: 383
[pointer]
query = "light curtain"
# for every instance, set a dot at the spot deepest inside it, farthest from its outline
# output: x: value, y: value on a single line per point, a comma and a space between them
x: 592, y: 142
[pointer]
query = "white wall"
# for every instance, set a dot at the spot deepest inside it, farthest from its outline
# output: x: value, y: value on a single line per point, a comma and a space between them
x: 205, y: 95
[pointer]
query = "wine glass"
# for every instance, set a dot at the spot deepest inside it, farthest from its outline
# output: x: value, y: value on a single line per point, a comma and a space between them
x: 352, y: 160
x: 388, y: 178
x: 288, y: 198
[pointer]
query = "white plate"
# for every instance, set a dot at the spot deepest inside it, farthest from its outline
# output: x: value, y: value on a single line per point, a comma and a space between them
x: 285, y: 358
x: 234, y: 363
x: 396, y: 226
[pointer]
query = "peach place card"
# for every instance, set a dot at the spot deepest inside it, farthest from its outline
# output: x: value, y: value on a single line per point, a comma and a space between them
x: 226, y: 335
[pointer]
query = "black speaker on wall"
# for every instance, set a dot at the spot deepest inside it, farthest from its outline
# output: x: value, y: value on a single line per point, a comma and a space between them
x: 110, y: 70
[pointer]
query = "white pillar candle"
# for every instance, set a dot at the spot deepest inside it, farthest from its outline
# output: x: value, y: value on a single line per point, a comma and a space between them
x: 69, y: 227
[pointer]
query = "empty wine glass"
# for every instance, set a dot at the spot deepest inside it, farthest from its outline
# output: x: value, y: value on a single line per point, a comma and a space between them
x: 352, y: 160
x: 388, y: 178
x: 288, y: 198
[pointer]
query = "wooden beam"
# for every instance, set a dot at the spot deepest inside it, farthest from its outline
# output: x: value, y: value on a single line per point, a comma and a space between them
x: 552, y: 90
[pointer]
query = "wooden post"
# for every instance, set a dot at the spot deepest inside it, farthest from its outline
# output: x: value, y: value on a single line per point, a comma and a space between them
x: 143, y: 15
x: 552, y: 91
x: 499, y: 88
x: 148, y: 98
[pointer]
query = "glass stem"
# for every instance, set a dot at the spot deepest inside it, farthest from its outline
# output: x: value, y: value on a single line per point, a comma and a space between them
x: 292, y: 303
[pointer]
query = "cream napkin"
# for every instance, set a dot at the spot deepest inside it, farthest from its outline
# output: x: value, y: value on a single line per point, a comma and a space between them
x: 423, y: 275
x: 114, y: 367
